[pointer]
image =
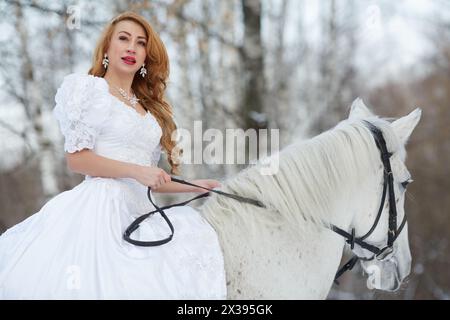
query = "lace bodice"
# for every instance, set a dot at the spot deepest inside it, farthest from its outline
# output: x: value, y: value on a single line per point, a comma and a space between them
x: 91, y: 117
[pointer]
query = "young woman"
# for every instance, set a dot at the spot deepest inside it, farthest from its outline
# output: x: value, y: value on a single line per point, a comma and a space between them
x: 115, y: 122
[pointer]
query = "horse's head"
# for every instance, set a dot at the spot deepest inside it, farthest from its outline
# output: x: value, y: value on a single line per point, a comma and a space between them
x: 374, y: 221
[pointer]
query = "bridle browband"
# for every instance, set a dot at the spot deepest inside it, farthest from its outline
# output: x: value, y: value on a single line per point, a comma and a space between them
x: 379, y: 253
x: 393, y: 232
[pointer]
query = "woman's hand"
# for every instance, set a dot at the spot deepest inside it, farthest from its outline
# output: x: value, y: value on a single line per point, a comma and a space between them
x: 206, y: 183
x: 152, y: 177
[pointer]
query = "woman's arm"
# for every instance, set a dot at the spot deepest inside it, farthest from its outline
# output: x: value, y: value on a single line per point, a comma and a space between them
x: 178, y: 187
x: 175, y: 187
x: 89, y: 163
x: 92, y: 164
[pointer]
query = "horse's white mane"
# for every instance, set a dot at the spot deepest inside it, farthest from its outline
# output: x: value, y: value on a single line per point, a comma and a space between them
x: 312, y: 175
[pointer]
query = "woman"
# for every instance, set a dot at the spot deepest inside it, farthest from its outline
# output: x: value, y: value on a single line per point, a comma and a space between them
x: 115, y: 122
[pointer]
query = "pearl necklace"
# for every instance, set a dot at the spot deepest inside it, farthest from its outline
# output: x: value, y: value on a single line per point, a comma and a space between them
x: 132, y: 99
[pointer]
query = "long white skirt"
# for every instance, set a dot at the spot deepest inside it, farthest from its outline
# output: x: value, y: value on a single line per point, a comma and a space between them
x: 73, y: 249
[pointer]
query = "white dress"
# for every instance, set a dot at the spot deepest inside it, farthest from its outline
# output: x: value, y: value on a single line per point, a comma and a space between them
x: 73, y: 247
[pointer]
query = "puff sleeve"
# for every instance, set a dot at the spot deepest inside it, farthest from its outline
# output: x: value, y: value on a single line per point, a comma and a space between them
x: 81, y: 110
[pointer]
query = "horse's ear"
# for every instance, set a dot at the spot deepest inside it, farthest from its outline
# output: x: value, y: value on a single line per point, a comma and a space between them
x: 404, y: 126
x: 359, y: 110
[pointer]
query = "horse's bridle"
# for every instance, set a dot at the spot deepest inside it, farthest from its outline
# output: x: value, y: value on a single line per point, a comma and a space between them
x: 379, y: 253
x: 385, y: 252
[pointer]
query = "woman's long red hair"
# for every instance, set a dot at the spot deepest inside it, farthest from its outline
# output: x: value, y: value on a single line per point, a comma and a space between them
x: 150, y: 90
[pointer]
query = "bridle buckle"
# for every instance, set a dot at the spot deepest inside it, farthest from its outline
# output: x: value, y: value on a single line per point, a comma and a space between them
x: 385, y: 253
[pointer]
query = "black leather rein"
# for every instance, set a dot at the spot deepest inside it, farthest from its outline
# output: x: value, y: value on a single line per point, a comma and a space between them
x: 135, y: 224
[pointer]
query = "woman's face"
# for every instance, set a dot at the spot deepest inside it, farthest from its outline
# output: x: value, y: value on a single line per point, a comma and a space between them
x: 127, y: 51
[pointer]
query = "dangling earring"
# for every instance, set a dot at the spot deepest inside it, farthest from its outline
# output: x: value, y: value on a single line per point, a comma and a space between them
x: 105, y: 61
x: 143, y: 71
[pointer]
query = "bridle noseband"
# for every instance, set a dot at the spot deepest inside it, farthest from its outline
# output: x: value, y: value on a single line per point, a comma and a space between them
x: 388, y: 185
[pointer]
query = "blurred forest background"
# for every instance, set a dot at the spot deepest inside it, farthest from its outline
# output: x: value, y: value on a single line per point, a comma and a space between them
x: 295, y: 65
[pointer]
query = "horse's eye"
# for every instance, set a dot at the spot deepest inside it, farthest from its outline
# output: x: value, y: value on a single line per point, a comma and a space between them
x: 405, y: 183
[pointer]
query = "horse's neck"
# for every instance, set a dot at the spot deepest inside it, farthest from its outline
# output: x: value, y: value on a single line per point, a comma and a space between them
x: 322, y: 250
x: 276, y: 262
x: 265, y: 260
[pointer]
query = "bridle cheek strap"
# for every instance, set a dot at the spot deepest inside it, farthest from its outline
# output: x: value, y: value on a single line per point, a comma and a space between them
x: 393, y: 232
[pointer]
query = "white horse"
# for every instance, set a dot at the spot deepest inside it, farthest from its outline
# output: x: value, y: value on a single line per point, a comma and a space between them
x: 287, y: 250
